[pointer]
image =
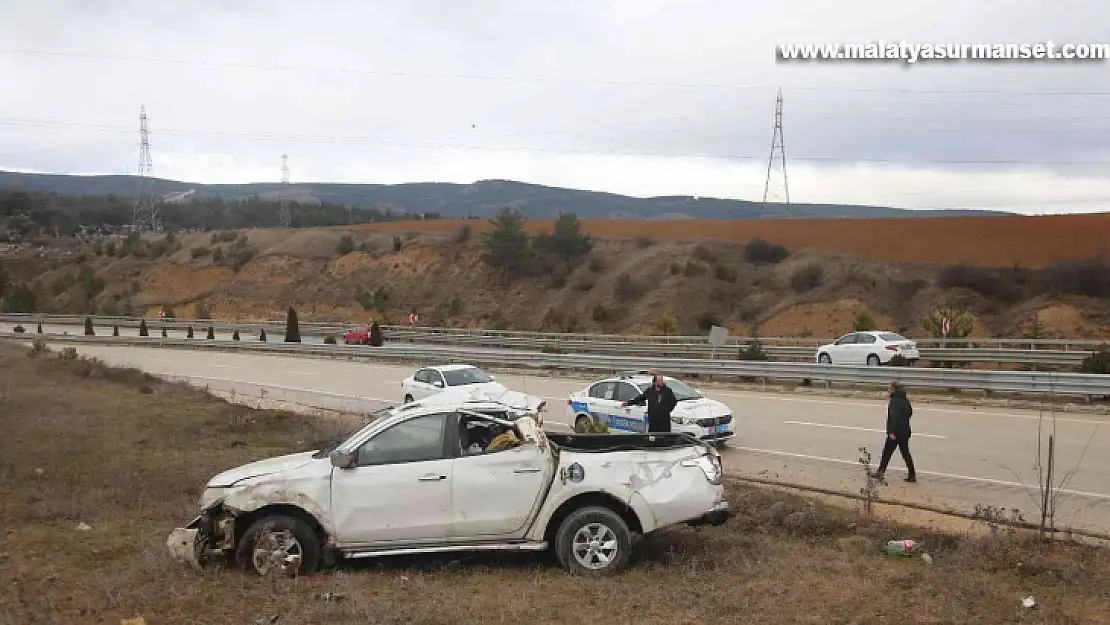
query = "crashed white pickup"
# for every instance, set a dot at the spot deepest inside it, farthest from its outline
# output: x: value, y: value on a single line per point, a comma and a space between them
x: 469, y: 476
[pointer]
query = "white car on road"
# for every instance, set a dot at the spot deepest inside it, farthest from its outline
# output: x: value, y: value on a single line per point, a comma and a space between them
x: 431, y: 380
x: 456, y: 381
x: 706, y: 419
x: 868, y: 348
x: 434, y: 477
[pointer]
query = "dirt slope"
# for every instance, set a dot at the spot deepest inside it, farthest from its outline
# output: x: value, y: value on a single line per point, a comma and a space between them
x: 623, y: 286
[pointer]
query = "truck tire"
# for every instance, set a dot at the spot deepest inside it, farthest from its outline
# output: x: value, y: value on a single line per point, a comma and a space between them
x: 594, y: 542
x: 267, y: 541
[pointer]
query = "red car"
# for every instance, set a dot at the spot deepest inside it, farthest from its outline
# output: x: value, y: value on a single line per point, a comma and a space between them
x: 357, y: 336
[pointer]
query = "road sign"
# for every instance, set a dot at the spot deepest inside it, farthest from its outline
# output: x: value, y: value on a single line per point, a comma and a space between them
x: 946, y: 326
x: 718, y: 336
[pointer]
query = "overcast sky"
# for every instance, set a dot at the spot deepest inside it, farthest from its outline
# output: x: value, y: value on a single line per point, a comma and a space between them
x: 641, y: 97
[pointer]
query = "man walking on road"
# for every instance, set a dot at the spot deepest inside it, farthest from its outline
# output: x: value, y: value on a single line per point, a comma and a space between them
x: 660, y: 402
x: 898, y: 413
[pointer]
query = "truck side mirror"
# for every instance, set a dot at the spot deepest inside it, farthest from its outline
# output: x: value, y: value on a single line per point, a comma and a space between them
x: 342, y: 459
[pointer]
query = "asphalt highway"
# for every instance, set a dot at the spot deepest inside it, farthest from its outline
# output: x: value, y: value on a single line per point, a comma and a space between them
x: 964, y: 455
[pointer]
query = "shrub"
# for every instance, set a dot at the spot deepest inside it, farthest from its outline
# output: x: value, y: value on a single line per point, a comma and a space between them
x: 693, y: 269
x: 591, y: 425
x: 68, y: 353
x: 451, y: 307
x: 667, y: 324
x: 863, y: 322
x: 566, y: 240
x: 235, y: 335
x: 218, y: 254
x: 761, y: 252
x: 241, y: 257
x: 142, y: 328
x: 676, y: 268
x: 601, y: 314
x: 989, y: 283
x: 753, y: 350
x: 704, y: 254
x: 1089, y: 277
x: 586, y: 284
x: 807, y: 278
x: 292, y: 327
x: 626, y: 287
x: 558, y: 281
x: 329, y: 340
x: 378, y: 299
x: 38, y: 346
x: 725, y: 273
x: 595, y: 265
x: 1098, y: 362
x: 644, y: 241
x: 89, y: 327
x: 346, y: 245
x: 462, y: 235
x: 707, y: 320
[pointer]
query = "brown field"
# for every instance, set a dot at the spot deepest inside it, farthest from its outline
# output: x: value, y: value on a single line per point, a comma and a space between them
x: 126, y: 455
x: 986, y: 241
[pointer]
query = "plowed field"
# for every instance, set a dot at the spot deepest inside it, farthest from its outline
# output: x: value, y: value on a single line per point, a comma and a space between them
x: 985, y: 241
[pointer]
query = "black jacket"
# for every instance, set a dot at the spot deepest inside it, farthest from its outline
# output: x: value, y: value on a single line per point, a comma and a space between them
x: 898, y: 413
x: 659, y: 403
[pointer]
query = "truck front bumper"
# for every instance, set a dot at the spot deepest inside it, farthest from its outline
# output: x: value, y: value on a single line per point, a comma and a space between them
x: 717, y: 515
x: 207, y: 538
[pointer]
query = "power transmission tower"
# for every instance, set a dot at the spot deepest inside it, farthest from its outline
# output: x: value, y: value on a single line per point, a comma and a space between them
x: 776, y: 166
x: 145, y: 217
x: 284, y: 216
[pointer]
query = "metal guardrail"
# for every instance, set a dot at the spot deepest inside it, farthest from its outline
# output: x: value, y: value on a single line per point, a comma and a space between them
x: 677, y: 347
x: 993, y: 381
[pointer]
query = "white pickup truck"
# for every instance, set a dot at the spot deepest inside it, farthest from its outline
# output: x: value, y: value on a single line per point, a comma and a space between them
x: 430, y: 477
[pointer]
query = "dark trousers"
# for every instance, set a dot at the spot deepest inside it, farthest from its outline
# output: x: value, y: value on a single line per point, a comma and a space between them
x: 903, y: 445
x: 659, y: 424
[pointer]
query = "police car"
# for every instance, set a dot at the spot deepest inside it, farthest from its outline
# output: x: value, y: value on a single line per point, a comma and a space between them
x: 705, y: 418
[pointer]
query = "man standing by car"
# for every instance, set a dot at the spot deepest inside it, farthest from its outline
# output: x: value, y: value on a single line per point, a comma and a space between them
x: 660, y: 402
x: 898, y: 413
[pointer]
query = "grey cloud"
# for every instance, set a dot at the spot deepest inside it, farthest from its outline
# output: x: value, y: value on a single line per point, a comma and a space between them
x: 727, y: 44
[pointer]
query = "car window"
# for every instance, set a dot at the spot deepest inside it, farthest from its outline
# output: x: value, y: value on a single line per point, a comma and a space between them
x: 421, y: 376
x: 416, y: 440
x: 481, y: 436
x: 847, y: 339
x: 602, y: 390
x: 626, y: 392
x: 866, y: 339
x: 681, y: 390
x: 435, y: 378
x: 469, y: 375
x: 890, y: 337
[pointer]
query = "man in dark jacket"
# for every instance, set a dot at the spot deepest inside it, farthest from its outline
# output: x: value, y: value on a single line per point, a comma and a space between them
x: 898, y: 413
x: 660, y: 402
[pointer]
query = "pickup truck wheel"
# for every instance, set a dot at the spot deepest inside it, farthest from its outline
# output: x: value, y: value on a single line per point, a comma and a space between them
x: 268, y: 544
x: 593, y: 541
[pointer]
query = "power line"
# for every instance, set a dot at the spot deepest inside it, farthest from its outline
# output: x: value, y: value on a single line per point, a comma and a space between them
x: 539, y: 79
x: 378, y: 141
x: 776, y: 168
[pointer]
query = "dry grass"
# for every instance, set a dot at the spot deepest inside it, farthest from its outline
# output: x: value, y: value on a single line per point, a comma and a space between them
x: 126, y: 455
x: 986, y: 241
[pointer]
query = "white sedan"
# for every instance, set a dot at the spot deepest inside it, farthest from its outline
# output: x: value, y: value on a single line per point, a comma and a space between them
x: 707, y: 419
x: 868, y: 348
x: 455, y: 381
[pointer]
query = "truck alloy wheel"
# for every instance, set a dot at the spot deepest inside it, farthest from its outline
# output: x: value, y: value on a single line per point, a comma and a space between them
x: 279, y: 544
x: 593, y: 541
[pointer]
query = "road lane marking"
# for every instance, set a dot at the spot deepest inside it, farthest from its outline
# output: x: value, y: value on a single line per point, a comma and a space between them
x: 300, y: 372
x: 968, y: 478
x: 849, y: 427
x: 923, y: 407
x: 223, y: 366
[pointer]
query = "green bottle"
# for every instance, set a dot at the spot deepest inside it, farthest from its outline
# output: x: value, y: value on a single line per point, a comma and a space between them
x: 901, y: 548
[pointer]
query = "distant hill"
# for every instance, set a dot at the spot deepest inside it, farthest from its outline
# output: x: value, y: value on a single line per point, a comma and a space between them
x: 480, y: 199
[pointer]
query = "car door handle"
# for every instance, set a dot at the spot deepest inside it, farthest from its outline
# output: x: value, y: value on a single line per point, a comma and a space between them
x: 433, y: 478
x: 527, y: 470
